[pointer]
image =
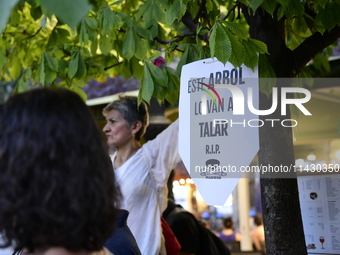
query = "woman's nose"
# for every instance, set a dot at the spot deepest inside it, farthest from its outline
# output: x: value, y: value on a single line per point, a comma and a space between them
x: 105, y: 128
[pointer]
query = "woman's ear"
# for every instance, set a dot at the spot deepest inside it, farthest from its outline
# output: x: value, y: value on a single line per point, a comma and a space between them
x: 136, y: 127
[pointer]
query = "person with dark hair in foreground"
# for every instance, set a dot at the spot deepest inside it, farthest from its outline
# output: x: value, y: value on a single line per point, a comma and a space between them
x: 57, y: 191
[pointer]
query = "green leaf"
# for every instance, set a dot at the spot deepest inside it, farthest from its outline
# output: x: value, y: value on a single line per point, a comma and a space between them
x: 83, y: 36
x: 300, y: 27
x: 176, y: 11
x: 14, y: 17
x: 73, y: 65
x: 222, y: 45
x: 41, y: 71
x: 28, y: 74
x: 129, y: 45
x: 70, y: 12
x: 5, y: 11
x: 106, y: 20
x: 330, y: 16
x: 159, y: 92
x: 63, y: 66
x: 238, y: 55
x: 36, y: 12
x: 183, y: 61
x: 22, y: 86
x: 105, y: 45
x: 212, y: 40
x: 15, y: 67
x: 173, y: 86
x: 238, y: 29
x: 152, y: 12
x: 94, y: 48
x: 50, y: 75
x: 193, y: 53
x: 142, y: 48
x: 158, y: 75
x: 251, y: 59
x: 144, y: 33
x: 81, y: 71
x: 267, y: 75
x: 147, y: 86
x: 258, y: 46
x: 154, y: 56
x: 295, y: 8
x: 269, y: 6
x: 51, y: 62
x: 3, y: 58
x: 79, y: 91
x: 91, y: 23
x: 117, y: 2
x: 254, y: 4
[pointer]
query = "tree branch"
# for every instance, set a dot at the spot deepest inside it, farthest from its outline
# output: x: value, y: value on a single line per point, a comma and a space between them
x: 116, y: 64
x: 35, y: 33
x: 200, y: 10
x: 189, y: 22
x: 179, y: 38
x: 231, y: 10
x: 312, y: 46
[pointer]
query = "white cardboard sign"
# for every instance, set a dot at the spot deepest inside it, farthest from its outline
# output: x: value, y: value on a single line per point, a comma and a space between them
x: 218, y: 136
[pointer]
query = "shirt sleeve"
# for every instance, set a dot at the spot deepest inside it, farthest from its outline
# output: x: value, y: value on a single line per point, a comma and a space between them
x: 161, y: 154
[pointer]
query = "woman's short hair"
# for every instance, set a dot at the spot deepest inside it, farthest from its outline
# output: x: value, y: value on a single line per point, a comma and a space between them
x: 130, y: 110
x: 258, y: 220
x: 56, y: 178
x: 228, y: 223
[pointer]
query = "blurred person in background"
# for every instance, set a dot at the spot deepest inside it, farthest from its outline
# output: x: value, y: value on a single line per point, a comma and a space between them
x: 57, y: 191
x: 258, y: 234
x: 230, y: 238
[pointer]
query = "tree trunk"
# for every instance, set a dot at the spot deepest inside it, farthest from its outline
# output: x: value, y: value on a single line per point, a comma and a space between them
x: 280, y: 201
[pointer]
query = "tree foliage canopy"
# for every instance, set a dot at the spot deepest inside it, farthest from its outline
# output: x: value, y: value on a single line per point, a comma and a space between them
x: 66, y: 43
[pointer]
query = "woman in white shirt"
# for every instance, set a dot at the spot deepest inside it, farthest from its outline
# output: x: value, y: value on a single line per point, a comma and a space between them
x: 141, y: 171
